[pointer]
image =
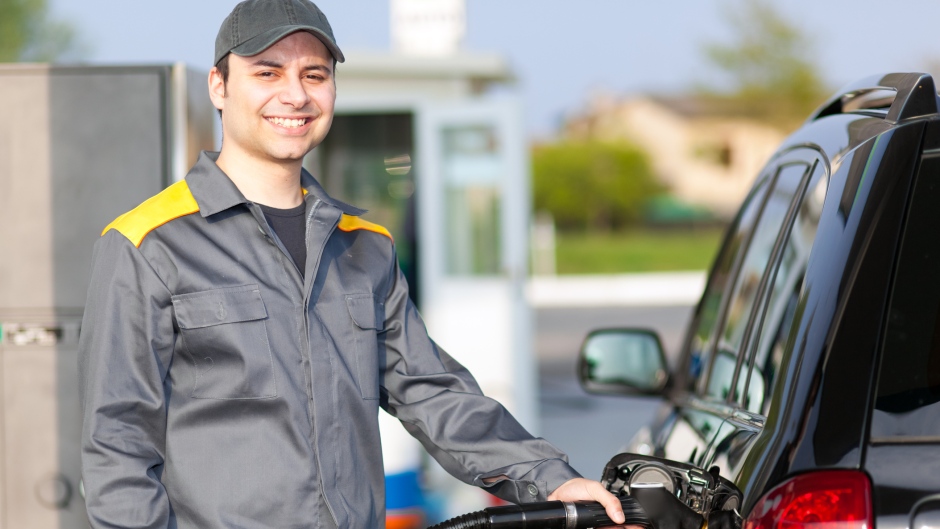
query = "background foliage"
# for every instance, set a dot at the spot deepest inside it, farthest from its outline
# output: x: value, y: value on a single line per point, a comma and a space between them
x: 29, y: 34
x: 592, y: 185
x: 769, y: 64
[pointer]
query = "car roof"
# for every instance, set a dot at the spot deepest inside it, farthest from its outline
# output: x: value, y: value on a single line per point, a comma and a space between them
x: 863, y: 110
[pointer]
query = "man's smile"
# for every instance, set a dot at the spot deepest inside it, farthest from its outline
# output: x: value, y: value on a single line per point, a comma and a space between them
x: 288, y: 123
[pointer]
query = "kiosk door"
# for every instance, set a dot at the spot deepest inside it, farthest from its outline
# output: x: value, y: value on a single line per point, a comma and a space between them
x: 473, y: 218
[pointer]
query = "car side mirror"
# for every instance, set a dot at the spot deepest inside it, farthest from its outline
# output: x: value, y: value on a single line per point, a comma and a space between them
x: 623, y: 361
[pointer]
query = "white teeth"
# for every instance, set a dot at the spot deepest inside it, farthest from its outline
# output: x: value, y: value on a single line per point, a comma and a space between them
x: 289, y: 123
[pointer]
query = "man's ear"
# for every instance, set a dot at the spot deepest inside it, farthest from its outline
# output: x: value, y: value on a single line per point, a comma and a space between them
x: 216, y: 88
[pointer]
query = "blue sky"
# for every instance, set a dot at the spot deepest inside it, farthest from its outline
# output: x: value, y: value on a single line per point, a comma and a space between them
x: 562, y: 52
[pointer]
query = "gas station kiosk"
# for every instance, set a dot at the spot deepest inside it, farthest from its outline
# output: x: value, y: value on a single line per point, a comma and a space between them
x: 421, y: 141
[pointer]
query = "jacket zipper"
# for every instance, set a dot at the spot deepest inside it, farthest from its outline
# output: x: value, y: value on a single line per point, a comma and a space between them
x: 307, y: 291
x: 308, y: 376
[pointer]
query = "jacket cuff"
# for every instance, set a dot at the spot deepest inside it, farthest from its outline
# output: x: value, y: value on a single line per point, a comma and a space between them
x: 535, y: 485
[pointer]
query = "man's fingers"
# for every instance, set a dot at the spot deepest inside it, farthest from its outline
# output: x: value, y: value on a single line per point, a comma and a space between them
x: 609, y: 501
x: 611, y: 504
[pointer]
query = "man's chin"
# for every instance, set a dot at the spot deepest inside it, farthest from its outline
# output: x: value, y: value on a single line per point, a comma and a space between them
x: 292, y: 151
x: 289, y: 156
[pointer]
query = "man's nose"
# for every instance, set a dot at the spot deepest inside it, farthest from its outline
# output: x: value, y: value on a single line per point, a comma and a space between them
x: 293, y: 93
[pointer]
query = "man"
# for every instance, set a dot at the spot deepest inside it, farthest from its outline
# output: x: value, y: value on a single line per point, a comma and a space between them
x: 243, y: 328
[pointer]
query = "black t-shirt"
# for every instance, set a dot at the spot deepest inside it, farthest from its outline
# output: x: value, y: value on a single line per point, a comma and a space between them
x: 290, y: 227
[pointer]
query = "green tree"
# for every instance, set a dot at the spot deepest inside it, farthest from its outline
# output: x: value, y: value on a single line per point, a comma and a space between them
x: 592, y: 185
x: 769, y: 63
x: 29, y: 34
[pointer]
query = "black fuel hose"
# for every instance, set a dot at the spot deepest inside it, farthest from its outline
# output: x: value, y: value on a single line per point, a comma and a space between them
x: 548, y: 515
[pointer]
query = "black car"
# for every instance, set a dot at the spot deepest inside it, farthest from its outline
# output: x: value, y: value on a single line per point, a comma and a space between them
x: 809, y: 379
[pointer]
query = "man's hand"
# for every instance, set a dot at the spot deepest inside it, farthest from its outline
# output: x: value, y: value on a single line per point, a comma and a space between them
x: 586, y: 489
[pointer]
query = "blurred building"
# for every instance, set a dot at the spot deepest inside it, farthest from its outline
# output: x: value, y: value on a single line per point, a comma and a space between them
x: 705, y: 153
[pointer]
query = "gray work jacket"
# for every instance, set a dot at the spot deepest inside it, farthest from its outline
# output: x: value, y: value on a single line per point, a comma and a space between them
x: 223, y: 389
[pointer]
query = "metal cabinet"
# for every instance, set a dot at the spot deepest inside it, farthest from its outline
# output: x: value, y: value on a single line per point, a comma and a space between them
x: 79, y: 145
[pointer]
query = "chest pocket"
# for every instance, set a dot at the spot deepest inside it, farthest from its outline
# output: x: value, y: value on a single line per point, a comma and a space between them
x: 368, y: 317
x: 224, y: 332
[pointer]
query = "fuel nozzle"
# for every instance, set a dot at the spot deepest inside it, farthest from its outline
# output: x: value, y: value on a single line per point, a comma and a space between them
x: 663, y: 506
x: 548, y: 515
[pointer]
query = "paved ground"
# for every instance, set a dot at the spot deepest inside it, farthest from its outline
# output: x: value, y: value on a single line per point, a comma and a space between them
x: 593, y: 428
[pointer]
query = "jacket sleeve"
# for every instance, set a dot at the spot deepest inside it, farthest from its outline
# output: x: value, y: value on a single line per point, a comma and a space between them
x: 124, y: 352
x: 438, y: 401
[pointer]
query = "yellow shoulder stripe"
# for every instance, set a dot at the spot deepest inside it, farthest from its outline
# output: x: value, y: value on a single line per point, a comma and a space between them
x: 172, y: 203
x: 351, y: 223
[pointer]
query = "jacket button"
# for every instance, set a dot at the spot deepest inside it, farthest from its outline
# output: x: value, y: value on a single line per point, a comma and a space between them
x: 533, y: 490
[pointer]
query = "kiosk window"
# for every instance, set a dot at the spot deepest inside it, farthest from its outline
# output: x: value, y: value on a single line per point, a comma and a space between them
x: 473, y: 171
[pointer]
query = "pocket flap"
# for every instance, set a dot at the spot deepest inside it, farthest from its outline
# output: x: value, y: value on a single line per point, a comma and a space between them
x: 363, y: 309
x: 218, y: 306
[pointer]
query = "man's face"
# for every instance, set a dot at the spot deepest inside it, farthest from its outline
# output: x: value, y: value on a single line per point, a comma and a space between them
x: 277, y: 105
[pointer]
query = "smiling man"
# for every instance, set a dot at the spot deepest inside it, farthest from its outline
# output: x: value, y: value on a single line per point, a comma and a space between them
x: 243, y: 329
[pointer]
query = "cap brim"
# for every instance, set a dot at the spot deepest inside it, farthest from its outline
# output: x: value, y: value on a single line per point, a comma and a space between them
x: 265, y: 40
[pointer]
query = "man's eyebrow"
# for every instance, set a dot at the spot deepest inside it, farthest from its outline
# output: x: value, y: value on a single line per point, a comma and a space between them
x: 318, y: 67
x: 268, y: 63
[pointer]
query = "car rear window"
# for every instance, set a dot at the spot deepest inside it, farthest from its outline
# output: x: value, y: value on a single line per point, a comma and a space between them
x: 908, y: 396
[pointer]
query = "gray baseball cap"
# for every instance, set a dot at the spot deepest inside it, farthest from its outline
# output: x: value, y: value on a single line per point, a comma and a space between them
x: 254, y: 25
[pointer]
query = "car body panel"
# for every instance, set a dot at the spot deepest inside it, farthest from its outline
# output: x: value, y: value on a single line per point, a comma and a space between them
x: 904, y: 475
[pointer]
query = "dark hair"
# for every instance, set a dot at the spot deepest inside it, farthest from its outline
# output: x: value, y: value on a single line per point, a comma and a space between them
x: 223, y: 67
x: 223, y: 71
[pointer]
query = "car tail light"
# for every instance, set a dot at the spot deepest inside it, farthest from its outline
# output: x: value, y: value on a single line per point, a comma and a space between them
x: 827, y: 499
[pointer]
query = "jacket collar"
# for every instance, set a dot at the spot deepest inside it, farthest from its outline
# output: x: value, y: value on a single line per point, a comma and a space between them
x: 214, y: 191
x: 308, y: 182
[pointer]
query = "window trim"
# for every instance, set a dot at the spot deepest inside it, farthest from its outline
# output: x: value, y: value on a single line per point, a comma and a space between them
x: 745, y: 354
x: 773, y: 263
x: 816, y: 174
